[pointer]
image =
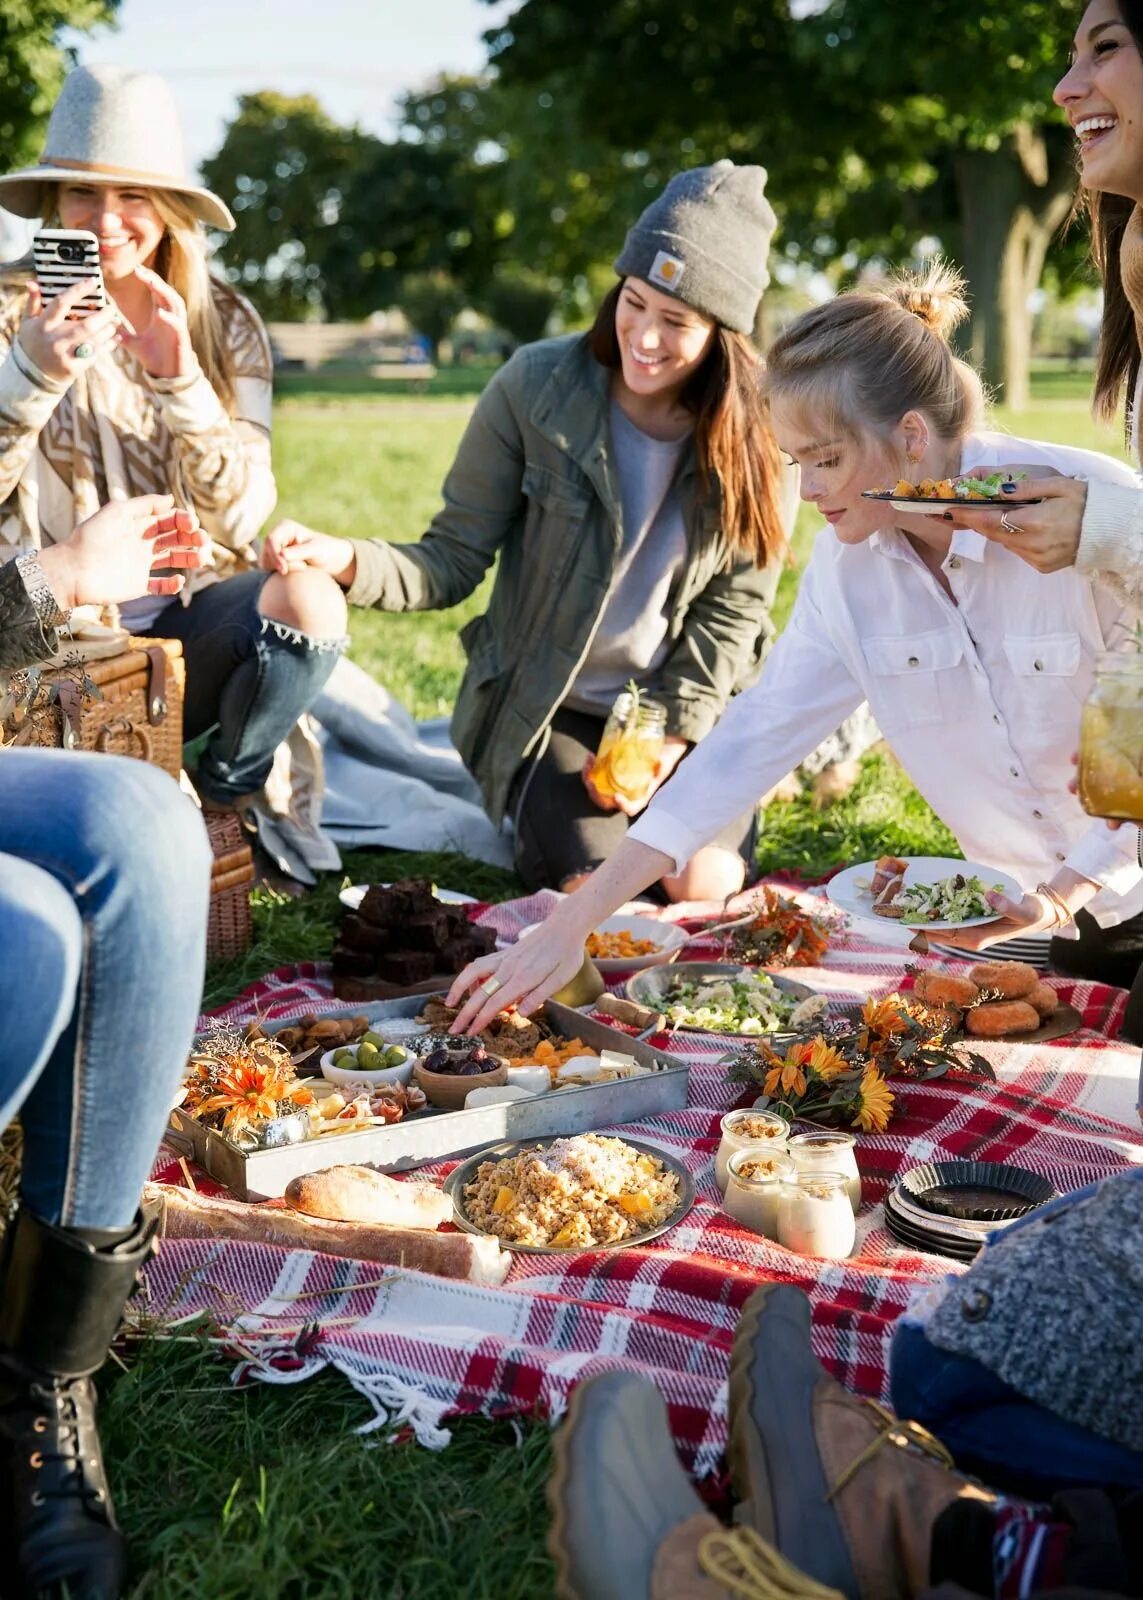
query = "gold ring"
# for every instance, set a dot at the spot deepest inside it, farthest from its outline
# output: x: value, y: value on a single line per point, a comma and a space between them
x: 1008, y: 525
x: 490, y: 985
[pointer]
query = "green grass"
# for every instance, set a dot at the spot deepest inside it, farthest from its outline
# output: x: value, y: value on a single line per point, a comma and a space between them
x: 265, y: 1493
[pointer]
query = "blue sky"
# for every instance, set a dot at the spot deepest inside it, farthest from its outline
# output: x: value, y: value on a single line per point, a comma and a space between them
x: 356, y: 56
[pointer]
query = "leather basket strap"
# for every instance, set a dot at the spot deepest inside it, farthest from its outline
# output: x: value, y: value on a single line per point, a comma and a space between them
x: 156, y: 684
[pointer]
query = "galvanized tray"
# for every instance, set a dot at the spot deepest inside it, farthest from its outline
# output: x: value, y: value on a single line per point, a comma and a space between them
x: 461, y: 1176
x: 434, y: 1135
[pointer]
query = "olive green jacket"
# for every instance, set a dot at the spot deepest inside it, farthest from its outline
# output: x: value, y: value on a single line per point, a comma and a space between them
x: 534, y: 483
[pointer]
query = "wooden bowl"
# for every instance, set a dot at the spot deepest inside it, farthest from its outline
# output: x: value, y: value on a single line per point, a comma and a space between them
x: 449, y: 1090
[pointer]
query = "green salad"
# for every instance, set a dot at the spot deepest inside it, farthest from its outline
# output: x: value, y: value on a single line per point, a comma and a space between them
x: 955, y: 899
x: 749, y: 1003
x: 990, y: 486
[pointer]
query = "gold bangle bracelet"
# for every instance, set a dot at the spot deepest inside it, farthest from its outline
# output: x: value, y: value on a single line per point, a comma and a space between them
x: 1059, y: 905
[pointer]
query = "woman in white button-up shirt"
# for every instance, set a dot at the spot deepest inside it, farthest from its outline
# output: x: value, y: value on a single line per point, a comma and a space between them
x: 975, y: 668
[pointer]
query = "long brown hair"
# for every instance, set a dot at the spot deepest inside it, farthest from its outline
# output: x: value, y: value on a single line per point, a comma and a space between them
x: 1117, y: 359
x: 736, y: 451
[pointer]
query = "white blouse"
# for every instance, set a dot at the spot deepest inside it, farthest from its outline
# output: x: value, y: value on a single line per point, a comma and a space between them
x: 980, y: 700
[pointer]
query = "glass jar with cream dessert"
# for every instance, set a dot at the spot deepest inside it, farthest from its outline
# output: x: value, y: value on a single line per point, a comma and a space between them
x: 815, y: 1217
x: 830, y: 1151
x: 753, y: 1181
x: 748, y: 1130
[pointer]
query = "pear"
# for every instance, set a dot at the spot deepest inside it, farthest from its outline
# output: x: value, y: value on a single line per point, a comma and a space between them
x: 586, y: 986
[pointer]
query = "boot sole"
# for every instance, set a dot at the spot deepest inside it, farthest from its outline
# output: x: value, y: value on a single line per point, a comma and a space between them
x: 630, y: 1408
x: 775, y: 1467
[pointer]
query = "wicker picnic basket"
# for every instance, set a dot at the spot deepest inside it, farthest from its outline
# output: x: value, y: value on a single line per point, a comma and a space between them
x: 130, y: 704
x: 229, y: 929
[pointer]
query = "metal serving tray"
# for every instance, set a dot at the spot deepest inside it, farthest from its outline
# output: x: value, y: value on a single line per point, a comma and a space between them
x: 435, y: 1135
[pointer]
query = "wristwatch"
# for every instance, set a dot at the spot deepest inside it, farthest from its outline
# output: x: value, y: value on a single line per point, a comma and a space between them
x: 48, y: 610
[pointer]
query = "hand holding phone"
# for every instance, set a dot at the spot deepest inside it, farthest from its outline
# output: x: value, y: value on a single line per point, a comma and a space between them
x: 57, y: 334
x: 64, y: 256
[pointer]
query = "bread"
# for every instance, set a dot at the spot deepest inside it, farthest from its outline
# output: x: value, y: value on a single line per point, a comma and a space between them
x: 1008, y: 980
x: 359, y: 1194
x: 475, y: 1257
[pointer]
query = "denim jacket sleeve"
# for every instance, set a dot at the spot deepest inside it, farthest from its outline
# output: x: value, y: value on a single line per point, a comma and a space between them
x: 483, y: 495
x: 717, y: 647
x: 23, y: 641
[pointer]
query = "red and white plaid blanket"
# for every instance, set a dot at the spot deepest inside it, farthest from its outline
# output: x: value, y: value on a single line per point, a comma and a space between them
x: 423, y: 1349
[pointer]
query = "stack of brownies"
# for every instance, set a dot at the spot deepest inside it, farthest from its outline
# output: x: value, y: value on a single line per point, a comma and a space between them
x: 400, y: 939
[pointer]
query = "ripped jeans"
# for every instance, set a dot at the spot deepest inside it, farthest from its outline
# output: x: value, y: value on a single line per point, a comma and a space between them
x: 249, y: 679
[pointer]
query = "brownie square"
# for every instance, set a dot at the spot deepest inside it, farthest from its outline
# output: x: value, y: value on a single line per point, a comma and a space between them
x: 360, y: 963
x: 406, y: 966
x: 361, y: 935
x: 427, y: 930
x: 379, y: 907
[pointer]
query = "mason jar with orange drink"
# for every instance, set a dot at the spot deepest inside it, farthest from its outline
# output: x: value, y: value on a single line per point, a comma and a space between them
x: 627, y: 761
x: 1111, y: 739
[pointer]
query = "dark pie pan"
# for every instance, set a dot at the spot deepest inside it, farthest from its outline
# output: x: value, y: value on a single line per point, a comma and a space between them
x: 977, y: 1191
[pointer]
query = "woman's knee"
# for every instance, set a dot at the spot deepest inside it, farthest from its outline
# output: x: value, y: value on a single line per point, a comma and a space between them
x: 307, y: 600
x: 712, y: 874
x: 39, y: 919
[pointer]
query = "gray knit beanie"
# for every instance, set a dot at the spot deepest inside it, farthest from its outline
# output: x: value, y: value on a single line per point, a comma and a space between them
x: 706, y: 239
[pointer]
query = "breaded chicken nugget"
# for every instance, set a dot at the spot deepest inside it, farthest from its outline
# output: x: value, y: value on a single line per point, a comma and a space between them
x: 1011, y: 980
x: 945, y: 989
x: 997, y: 1018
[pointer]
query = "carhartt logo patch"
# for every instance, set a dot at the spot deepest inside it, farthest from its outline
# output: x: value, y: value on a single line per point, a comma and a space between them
x: 666, y: 270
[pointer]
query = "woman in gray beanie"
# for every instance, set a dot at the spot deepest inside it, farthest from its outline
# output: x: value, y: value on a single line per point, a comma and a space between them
x: 629, y: 486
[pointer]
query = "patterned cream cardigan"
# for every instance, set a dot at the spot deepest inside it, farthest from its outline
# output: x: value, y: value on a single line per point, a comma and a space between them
x: 114, y: 431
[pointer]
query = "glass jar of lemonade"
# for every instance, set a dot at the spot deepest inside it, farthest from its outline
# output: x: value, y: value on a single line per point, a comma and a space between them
x: 628, y: 756
x: 1111, y: 739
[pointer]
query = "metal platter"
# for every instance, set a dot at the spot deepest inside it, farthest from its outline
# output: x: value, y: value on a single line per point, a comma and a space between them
x: 463, y: 1174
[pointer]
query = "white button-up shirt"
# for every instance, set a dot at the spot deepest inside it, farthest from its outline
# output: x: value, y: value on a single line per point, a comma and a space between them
x: 980, y: 699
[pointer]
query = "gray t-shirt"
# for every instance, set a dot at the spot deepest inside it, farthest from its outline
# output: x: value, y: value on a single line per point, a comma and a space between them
x: 631, y: 640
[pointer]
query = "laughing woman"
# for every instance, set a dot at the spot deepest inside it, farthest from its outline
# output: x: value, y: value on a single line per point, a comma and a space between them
x: 975, y: 673
x: 629, y: 486
x: 167, y: 391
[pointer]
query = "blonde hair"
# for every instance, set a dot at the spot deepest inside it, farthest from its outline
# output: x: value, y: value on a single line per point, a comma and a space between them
x: 181, y: 261
x: 864, y: 359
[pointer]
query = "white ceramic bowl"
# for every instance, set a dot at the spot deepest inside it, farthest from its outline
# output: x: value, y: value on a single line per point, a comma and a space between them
x: 345, y: 1076
x: 668, y: 936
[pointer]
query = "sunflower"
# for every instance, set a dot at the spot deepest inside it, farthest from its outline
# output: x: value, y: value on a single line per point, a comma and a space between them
x: 252, y: 1091
x: 887, y: 1017
x: 788, y: 1071
x: 825, y: 1060
x: 874, y: 1103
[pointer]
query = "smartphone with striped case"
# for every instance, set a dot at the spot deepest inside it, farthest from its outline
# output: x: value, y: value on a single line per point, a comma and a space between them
x: 64, y: 256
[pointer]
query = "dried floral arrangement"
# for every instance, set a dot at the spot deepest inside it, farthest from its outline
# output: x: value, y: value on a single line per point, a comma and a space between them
x: 840, y: 1074
x: 236, y: 1082
x: 783, y: 934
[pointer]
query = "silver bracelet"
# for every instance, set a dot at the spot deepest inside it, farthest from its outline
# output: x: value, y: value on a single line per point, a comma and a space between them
x: 49, y: 612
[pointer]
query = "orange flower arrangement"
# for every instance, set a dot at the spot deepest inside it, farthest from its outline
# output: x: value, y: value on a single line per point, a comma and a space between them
x: 840, y: 1076
x: 235, y: 1083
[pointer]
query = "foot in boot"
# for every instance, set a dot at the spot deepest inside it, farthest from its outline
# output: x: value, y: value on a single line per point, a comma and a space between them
x: 60, y: 1303
x: 841, y: 1487
x: 626, y: 1522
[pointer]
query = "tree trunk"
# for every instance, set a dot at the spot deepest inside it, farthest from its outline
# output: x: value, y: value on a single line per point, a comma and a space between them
x: 1012, y: 200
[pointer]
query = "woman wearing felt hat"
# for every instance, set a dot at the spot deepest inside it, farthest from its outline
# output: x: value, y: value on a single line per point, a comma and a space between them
x: 165, y: 391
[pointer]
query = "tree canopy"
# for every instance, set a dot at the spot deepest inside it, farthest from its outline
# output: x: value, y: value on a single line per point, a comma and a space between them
x: 33, y: 66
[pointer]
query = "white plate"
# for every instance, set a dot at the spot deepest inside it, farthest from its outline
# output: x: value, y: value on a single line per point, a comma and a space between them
x: 355, y: 894
x: 847, y: 896
x: 668, y: 936
x: 930, y: 506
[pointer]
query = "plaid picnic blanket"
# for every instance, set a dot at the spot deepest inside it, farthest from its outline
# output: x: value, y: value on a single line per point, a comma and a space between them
x: 423, y: 1349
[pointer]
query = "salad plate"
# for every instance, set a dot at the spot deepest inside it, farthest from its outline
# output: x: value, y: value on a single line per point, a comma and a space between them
x: 933, y: 506
x: 720, y: 997
x: 934, y: 496
x: 959, y: 904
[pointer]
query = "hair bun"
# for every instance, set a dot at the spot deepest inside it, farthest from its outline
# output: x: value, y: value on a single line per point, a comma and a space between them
x: 936, y: 298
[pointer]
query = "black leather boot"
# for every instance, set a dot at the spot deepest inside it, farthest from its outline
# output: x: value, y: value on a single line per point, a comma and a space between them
x: 62, y: 1293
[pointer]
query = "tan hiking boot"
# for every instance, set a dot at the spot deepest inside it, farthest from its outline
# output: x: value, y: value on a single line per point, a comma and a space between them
x: 844, y: 1489
x: 626, y: 1521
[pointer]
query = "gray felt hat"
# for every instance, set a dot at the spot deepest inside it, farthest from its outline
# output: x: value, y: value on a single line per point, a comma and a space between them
x: 706, y: 239
x: 112, y: 125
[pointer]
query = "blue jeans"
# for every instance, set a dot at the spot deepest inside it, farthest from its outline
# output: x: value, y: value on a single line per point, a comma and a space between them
x: 994, y: 1431
x: 104, y: 887
x: 248, y: 678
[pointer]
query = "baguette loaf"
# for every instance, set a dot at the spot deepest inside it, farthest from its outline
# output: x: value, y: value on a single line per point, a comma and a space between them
x: 475, y: 1257
x: 359, y: 1194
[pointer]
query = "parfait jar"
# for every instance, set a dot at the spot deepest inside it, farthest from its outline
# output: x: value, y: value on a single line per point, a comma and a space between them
x: 760, y: 1131
x: 815, y: 1217
x: 627, y: 760
x: 753, y: 1184
x: 832, y: 1151
x: 1111, y: 739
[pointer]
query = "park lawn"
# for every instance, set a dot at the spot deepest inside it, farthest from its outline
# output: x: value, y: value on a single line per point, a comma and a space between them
x: 266, y: 1493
